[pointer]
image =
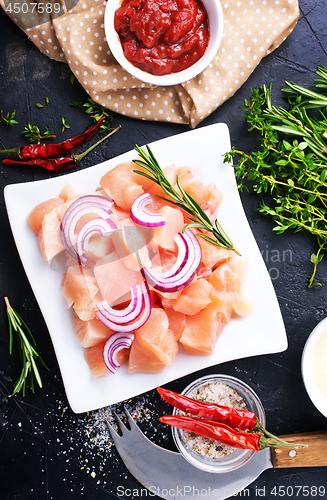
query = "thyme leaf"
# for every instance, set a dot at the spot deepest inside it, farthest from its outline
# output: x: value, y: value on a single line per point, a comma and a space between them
x: 34, y: 134
x: 26, y: 348
x: 39, y: 105
x: 96, y: 111
x: 64, y: 124
x: 183, y: 200
x: 8, y: 118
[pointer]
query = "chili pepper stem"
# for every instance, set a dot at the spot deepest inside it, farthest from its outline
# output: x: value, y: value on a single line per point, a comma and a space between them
x: 13, y: 151
x: 269, y: 443
x: 79, y: 158
x: 258, y: 427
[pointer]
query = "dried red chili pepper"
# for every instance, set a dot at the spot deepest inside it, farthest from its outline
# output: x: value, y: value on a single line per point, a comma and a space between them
x: 51, y: 164
x: 34, y: 151
x: 225, y: 434
x: 57, y: 164
x: 240, y: 419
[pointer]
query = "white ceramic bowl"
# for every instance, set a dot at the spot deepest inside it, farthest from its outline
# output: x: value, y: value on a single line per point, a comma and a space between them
x: 238, y: 457
x: 216, y: 24
x: 314, y: 366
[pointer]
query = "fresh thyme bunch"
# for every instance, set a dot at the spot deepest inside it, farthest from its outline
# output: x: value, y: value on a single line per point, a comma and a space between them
x: 291, y: 161
x: 183, y: 200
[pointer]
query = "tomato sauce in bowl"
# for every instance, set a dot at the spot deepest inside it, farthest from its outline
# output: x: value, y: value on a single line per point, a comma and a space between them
x: 162, y: 37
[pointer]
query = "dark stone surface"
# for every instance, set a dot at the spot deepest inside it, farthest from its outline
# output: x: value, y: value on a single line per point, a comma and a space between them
x: 44, y: 448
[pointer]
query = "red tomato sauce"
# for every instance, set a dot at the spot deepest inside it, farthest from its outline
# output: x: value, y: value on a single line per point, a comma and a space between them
x: 162, y: 36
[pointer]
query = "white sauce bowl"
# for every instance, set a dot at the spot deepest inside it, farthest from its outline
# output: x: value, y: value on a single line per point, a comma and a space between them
x: 216, y: 24
x: 314, y: 366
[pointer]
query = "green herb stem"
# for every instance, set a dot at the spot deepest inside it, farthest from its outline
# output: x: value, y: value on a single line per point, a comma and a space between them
x: 26, y: 349
x: 199, y: 219
x: 34, y: 134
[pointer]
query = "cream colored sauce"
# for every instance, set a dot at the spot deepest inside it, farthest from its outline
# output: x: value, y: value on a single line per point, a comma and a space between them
x: 320, y: 364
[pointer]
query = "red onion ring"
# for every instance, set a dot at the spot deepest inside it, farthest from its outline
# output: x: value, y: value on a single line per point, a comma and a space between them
x: 82, y: 206
x: 131, y: 312
x: 117, y: 320
x: 94, y: 226
x: 142, y: 216
x: 184, y: 276
x: 113, y: 345
x: 181, y: 257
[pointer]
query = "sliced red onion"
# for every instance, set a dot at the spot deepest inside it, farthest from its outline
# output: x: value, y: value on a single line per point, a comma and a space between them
x: 122, y: 321
x: 181, y: 257
x: 184, y: 276
x: 141, y: 216
x: 87, y: 204
x: 113, y: 345
x: 94, y: 226
x: 131, y: 312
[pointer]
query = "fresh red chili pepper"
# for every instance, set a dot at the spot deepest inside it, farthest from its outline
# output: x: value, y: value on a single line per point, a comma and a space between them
x: 213, y: 430
x: 237, y: 418
x: 34, y: 151
x: 57, y: 164
x: 241, y: 419
x: 225, y: 434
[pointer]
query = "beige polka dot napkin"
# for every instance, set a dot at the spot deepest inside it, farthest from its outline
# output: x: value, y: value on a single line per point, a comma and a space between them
x: 74, y: 32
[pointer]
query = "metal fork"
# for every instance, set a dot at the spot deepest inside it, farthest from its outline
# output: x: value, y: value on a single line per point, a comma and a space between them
x: 149, y: 463
x: 168, y: 475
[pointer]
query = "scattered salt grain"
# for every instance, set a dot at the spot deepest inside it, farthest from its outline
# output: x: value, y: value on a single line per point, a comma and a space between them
x: 84, y: 439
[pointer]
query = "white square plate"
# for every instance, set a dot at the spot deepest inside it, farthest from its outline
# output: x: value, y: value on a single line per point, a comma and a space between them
x: 261, y: 332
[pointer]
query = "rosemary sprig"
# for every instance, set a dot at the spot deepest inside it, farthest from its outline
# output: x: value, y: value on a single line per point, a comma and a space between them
x: 297, y: 122
x: 183, y: 200
x: 27, y: 352
x: 313, y: 99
